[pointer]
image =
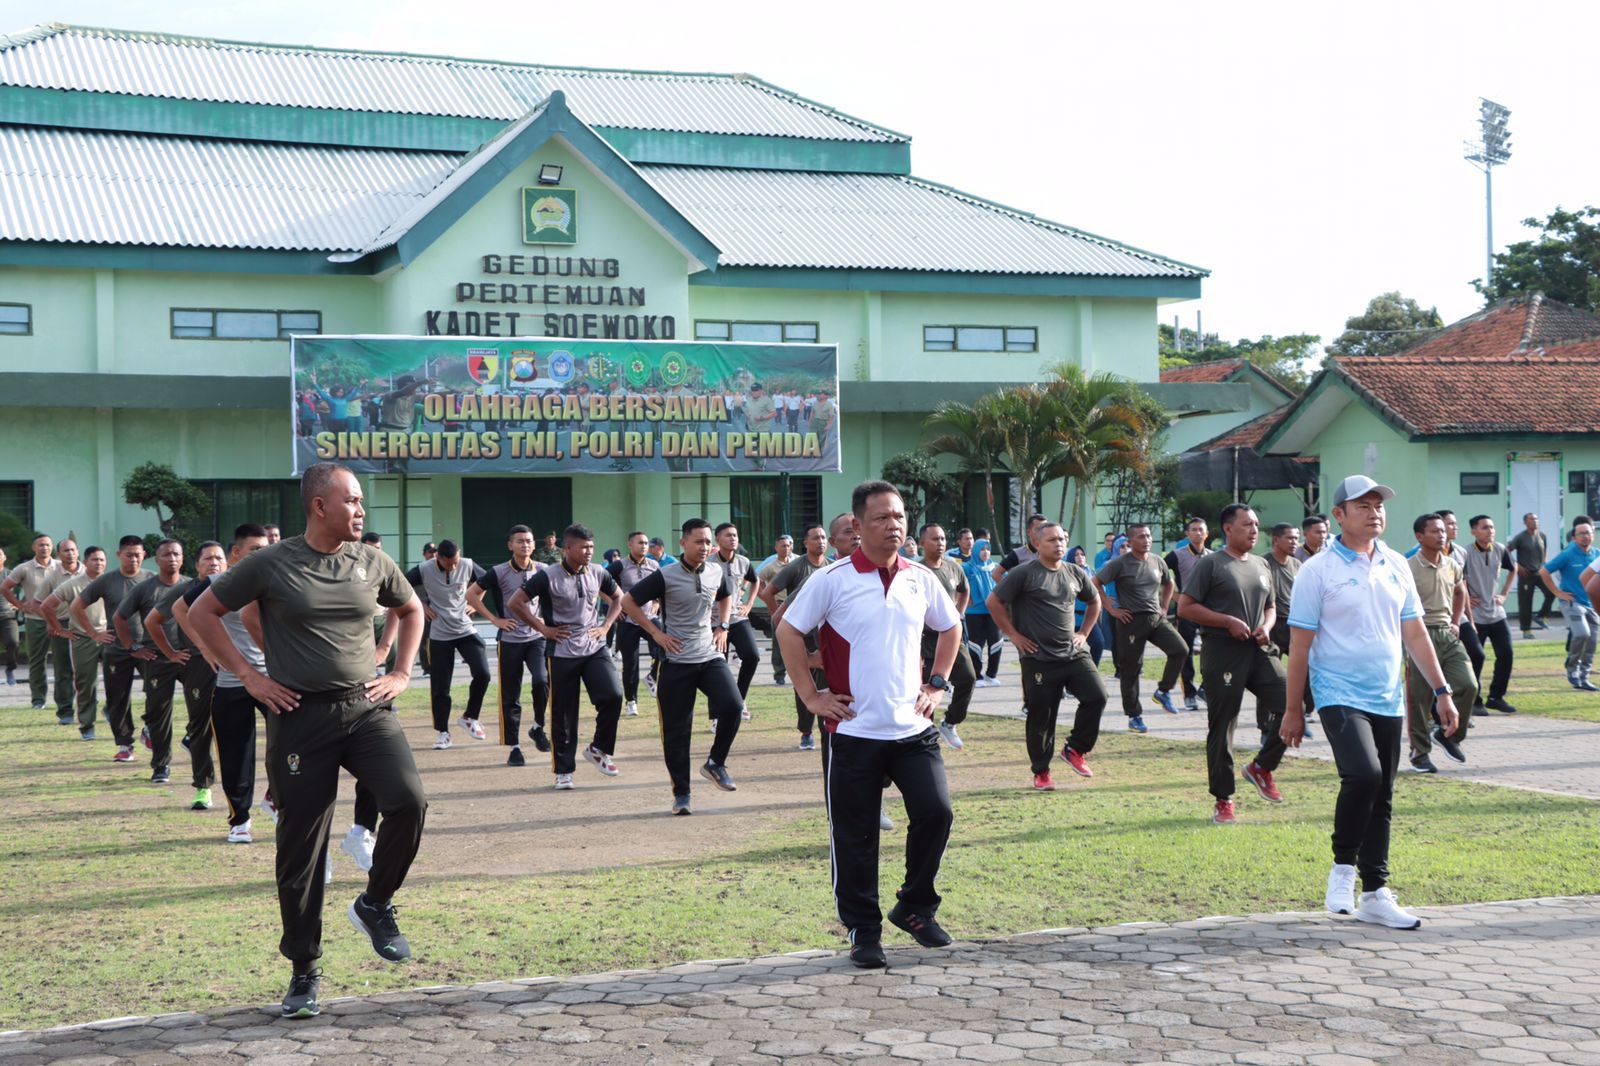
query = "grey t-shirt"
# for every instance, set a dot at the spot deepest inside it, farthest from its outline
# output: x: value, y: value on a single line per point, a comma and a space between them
x: 237, y: 632
x: 111, y: 587
x: 686, y: 597
x: 1531, y: 549
x: 1238, y: 587
x: 1483, y: 579
x: 446, y: 592
x: 741, y: 571
x: 1041, y: 604
x: 1138, y: 581
x: 791, y: 579
x: 501, y: 583
x: 629, y: 573
x: 564, y: 597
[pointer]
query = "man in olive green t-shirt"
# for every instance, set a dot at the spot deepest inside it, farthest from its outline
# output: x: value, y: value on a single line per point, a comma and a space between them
x: 317, y: 594
x: 116, y: 660
x: 85, y: 650
x: 160, y: 675
x: 1144, y: 592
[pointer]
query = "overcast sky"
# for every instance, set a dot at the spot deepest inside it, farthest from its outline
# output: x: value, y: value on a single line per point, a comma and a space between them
x: 1310, y: 160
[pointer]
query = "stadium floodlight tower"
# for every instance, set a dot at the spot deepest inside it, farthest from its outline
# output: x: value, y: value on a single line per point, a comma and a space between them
x: 1493, y: 149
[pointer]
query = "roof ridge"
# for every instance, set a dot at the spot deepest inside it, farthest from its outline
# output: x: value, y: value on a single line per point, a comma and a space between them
x: 50, y: 29
x: 1535, y: 302
x: 1029, y: 216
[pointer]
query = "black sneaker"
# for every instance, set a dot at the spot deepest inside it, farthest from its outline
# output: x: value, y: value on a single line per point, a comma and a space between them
x: 1479, y: 710
x: 515, y: 758
x: 379, y: 924
x: 680, y: 805
x: 922, y: 927
x: 1451, y: 748
x: 868, y: 954
x: 301, y: 1002
x: 1499, y: 703
x: 540, y: 741
x: 66, y: 718
x: 718, y: 775
x: 1421, y: 764
x: 161, y: 776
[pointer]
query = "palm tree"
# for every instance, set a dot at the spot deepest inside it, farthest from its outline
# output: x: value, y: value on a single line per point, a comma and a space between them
x: 1105, y: 423
x: 970, y: 433
x: 1027, y: 418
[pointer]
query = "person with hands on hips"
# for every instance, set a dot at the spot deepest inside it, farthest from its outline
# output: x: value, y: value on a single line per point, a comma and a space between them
x: 870, y: 608
x: 1354, y: 607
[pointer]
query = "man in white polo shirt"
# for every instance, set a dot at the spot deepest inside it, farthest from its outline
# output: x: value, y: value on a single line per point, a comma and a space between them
x: 869, y: 609
x: 1353, y: 607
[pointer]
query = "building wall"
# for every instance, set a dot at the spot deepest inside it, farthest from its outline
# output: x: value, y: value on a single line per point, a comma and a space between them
x: 1185, y: 433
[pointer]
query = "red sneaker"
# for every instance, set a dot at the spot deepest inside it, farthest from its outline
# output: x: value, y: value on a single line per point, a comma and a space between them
x: 1262, y: 779
x: 1076, y: 761
x: 1223, y: 815
x: 124, y: 754
x: 1043, y: 782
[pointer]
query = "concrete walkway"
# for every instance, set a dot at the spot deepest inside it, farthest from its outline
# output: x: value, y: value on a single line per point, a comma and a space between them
x: 1505, y: 982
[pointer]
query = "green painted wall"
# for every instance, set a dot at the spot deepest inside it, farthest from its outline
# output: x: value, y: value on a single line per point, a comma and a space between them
x: 1187, y: 432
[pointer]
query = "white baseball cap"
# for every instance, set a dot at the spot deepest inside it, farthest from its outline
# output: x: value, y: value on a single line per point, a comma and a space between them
x: 1358, y: 485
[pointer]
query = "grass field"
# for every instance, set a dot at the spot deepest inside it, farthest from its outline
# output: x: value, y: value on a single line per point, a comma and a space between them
x: 115, y: 900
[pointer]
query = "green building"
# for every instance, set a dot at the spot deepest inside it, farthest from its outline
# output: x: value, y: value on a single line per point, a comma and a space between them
x: 175, y: 208
x: 1497, y: 414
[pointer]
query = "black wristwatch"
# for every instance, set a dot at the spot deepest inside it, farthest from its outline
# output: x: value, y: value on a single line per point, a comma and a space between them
x: 938, y: 681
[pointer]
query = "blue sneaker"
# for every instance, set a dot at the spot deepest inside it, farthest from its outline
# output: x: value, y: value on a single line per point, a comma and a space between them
x: 808, y: 743
x: 1164, y: 701
x: 1136, y: 724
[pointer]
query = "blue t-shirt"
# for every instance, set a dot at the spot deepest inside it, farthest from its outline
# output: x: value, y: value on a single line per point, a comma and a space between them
x: 1568, y: 567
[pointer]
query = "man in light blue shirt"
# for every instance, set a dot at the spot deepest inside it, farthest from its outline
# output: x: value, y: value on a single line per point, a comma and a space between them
x: 1582, y: 623
x: 1353, y: 608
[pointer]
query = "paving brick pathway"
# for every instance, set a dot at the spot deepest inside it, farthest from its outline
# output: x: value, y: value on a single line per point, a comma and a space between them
x: 1504, y: 982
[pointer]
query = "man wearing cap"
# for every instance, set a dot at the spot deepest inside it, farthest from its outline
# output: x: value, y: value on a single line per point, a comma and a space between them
x: 1569, y: 565
x: 1354, y: 607
x: 1442, y: 593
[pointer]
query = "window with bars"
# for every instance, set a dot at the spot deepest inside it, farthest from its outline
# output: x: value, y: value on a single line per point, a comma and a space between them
x: 980, y: 339
x: 234, y: 503
x: 1485, y: 484
x: 762, y: 511
x: 196, y: 323
x: 762, y: 332
x: 16, y: 500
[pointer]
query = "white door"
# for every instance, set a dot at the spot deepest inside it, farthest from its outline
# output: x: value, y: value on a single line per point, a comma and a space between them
x: 1536, y: 487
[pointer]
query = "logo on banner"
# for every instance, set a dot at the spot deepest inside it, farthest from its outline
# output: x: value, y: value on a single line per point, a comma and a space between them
x: 549, y: 216
x: 483, y: 364
x: 674, y: 368
x: 562, y: 369
x: 524, y: 368
x: 637, y: 371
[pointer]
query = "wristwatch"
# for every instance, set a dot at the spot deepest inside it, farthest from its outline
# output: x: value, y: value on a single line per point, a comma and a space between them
x: 1442, y: 690
x: 724, y: 626
x: 938, y: 681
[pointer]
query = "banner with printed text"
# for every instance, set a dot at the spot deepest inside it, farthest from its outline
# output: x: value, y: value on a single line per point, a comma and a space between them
x: 463, y: 405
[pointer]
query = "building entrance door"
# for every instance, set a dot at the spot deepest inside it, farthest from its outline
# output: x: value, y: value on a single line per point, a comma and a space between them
x: 492, y: 505
x: 1536, y: 487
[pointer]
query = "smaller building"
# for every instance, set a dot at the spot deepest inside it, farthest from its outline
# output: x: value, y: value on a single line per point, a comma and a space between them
x: 1497, y: 414
x: 1266, y: 395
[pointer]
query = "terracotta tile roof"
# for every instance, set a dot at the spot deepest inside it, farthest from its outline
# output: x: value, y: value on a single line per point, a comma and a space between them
x: 1198, y: 373
x: 1517, y: 323
x: 1246, y: 434
x: 1553, y: 390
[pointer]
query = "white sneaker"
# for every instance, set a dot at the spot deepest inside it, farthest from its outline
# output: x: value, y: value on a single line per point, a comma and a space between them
x: 951, y: 737
x: 270, y: 807
x: 602, y: 761
x: 327, y: 873
x: 744, y: 714
x: 884, y: 822
x: 443, y: 742
x: 471, y: 726
x: 358, y: 845
x: 240, y: 834
x: 650, y: 683
x: 1381, y: 908
x: 633, y: 709
x: 1341, y: 889
x: 563, y: 782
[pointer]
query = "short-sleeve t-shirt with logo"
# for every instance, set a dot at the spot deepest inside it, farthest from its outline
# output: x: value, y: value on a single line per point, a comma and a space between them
x: 1138, y: 581
x: 952, y: 578
x: 741, y: 572
x: 34, y: 582
x: 791, y: 579
x: 870, y: 623
x: 567, y: 597
x: 237, y: 632
x: 68, y: 591
x: 1436, y: 587
x: 1016, y: 557
x: 446, y: 592
x: 501, y: 582
x: 177, y: 636
x: 148, y: 596
x: 1283, y: 575
x: 316, y: 609
x: 1241, y: 588
x: 1041, y: 604
x: 111, y: 588
x: 628, y: 573
x: 686, y: 597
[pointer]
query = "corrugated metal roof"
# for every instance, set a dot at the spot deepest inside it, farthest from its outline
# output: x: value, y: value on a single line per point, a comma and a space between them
x: 196, y: 68
x: 886, y: 222
x: 106, y: 188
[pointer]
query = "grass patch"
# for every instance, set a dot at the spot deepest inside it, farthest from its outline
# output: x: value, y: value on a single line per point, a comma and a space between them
x: 114, y: 903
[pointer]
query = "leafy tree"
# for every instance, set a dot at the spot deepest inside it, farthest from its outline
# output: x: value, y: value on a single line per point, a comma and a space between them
x: 1563, y: 262
x: 920, y: 483
x: 1291, y: 359
x: 1390, y: 324
x: 157, y: 487
x: 15, y: 538
x: 970, y: 433
x: 1028, y: 419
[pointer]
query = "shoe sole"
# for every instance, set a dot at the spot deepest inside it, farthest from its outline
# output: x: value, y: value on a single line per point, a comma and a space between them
x: 679, y: 812
x: 564, y: 787
x: 361, y: 927
x: 1387, y: 925
x: 236, y: 840
x: 302, y: 1012
x: 1336, y: 910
